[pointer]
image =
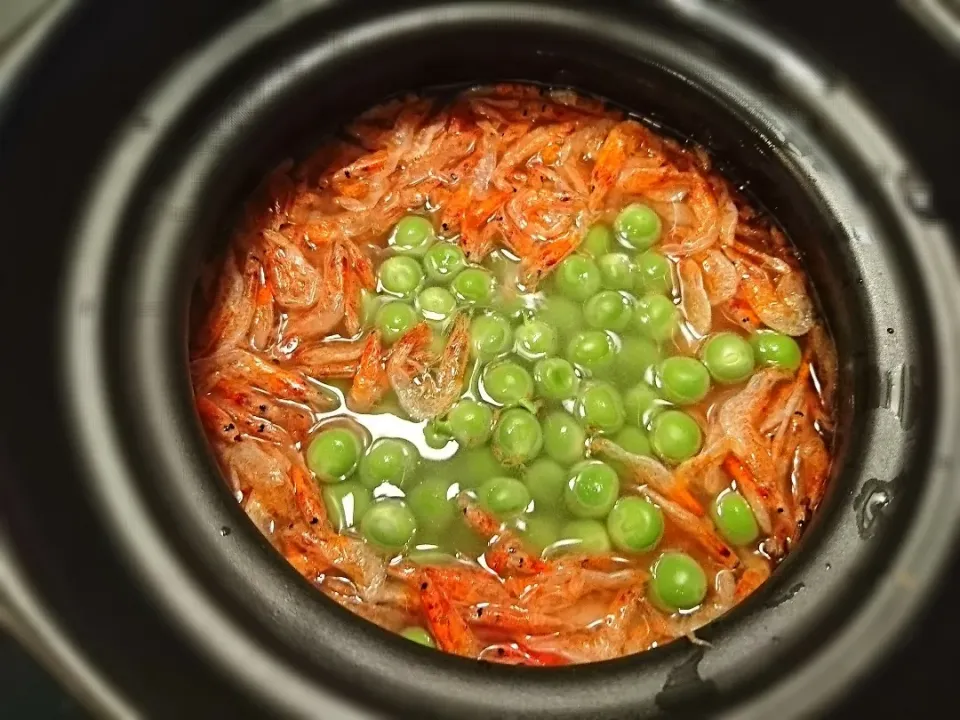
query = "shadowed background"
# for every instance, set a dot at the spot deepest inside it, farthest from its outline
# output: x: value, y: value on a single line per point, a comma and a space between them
x: 907, y: 74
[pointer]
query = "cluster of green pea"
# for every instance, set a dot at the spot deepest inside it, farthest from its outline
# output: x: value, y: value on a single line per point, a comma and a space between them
x: 551, y: 370
x: 424, y: 280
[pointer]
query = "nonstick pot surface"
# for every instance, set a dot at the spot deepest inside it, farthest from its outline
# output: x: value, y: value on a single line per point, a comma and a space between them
x: 196, y: 144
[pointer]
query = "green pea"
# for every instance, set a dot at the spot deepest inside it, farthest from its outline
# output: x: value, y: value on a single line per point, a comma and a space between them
x: 675, y: 436
x: 584, y: 536
x: 683, y: 380
x: 728, y: 357
x: 633, y: 440
x: 593, y: 350
x: 600, y: 407
x: 504, y: 496
x: 412, y: 235
x: 556, y: 379
x: 563, y: 438
x: 546, y: 480
x: 389, y: 460
x: 512, y: 306
x: 401, y: 276
x: 470, y: 423
x: 635, y: 525
x: 616, y: 271
x: 431, y: 502
x: 636, y: 358
x: 419, y: 636
x: 389, y: 524
x: 474, y: 286
x: 436, y: 435
x: 346, y: 503
x: 490, y: 336
x: 642, y: 403
x: 333, y: 454
x: 608, y: 310
x: 517, y: 438
x: 677, y: 582
x: 508, y: 384
x: 471, y: 467
x: 535, y: 339
x: 369, y: 304
x: 656, y: 317
x: 578, y: 277
x: 538, y: 530
x: 394, y: 319
x: 598, y: 241
x: 592, y: 489
x: 653, y: 274
x: 563, y: 314
x: 436, y: 303
x: 443, y: 262
x: 734, y: 518
x: 776, y: 350
x: 638, y: 226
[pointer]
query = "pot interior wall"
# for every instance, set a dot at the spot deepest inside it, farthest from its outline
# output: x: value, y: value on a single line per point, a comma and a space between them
x: 276, y: 99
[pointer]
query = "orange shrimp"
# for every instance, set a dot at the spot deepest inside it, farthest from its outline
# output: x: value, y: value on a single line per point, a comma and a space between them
x: 511, y: 619
x: 330, y: 359
x: 467, y: 584
x: 606, y: 640
x: 784, y: 306
x: 505, y: 555
x: 294, y: 282
x: 357, y: 275
x: 370, y: 382
x: 429, y: 392
x: 621, y: 143
x: 706, y: 230
x: 693, y: 297
x: 475, y: 243
x: 736, y: 421
x: 242, y: 423
x: 528, y: 145
x: 302, y: 325
x: 295, y: 418
x: 232, y: 311
x: 263, y: 324
x: 804, y: 458
x: 738, y: 310
x: 565, y: 581
x: 242, y: 366
x: 699, y: 529
x: 546, y: 256
x: 517, y: 653
x: 278, y: 477
x: 448, y: 628
x: 720, y: 278
x: 761, y: 498
x: 647, y: 471
x: 271, y: 202
x: 350, y: 555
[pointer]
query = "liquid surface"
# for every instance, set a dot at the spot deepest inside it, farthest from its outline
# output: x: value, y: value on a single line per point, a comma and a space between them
x: 516, y: 377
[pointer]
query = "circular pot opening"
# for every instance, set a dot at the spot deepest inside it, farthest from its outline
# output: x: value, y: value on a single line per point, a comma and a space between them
x: 273, y: 84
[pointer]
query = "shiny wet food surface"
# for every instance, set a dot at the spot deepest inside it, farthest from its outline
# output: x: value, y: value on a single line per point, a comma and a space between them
x: 515, y: 375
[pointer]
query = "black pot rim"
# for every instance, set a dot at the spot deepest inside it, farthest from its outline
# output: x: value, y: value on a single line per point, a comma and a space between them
x: 913, y: 569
